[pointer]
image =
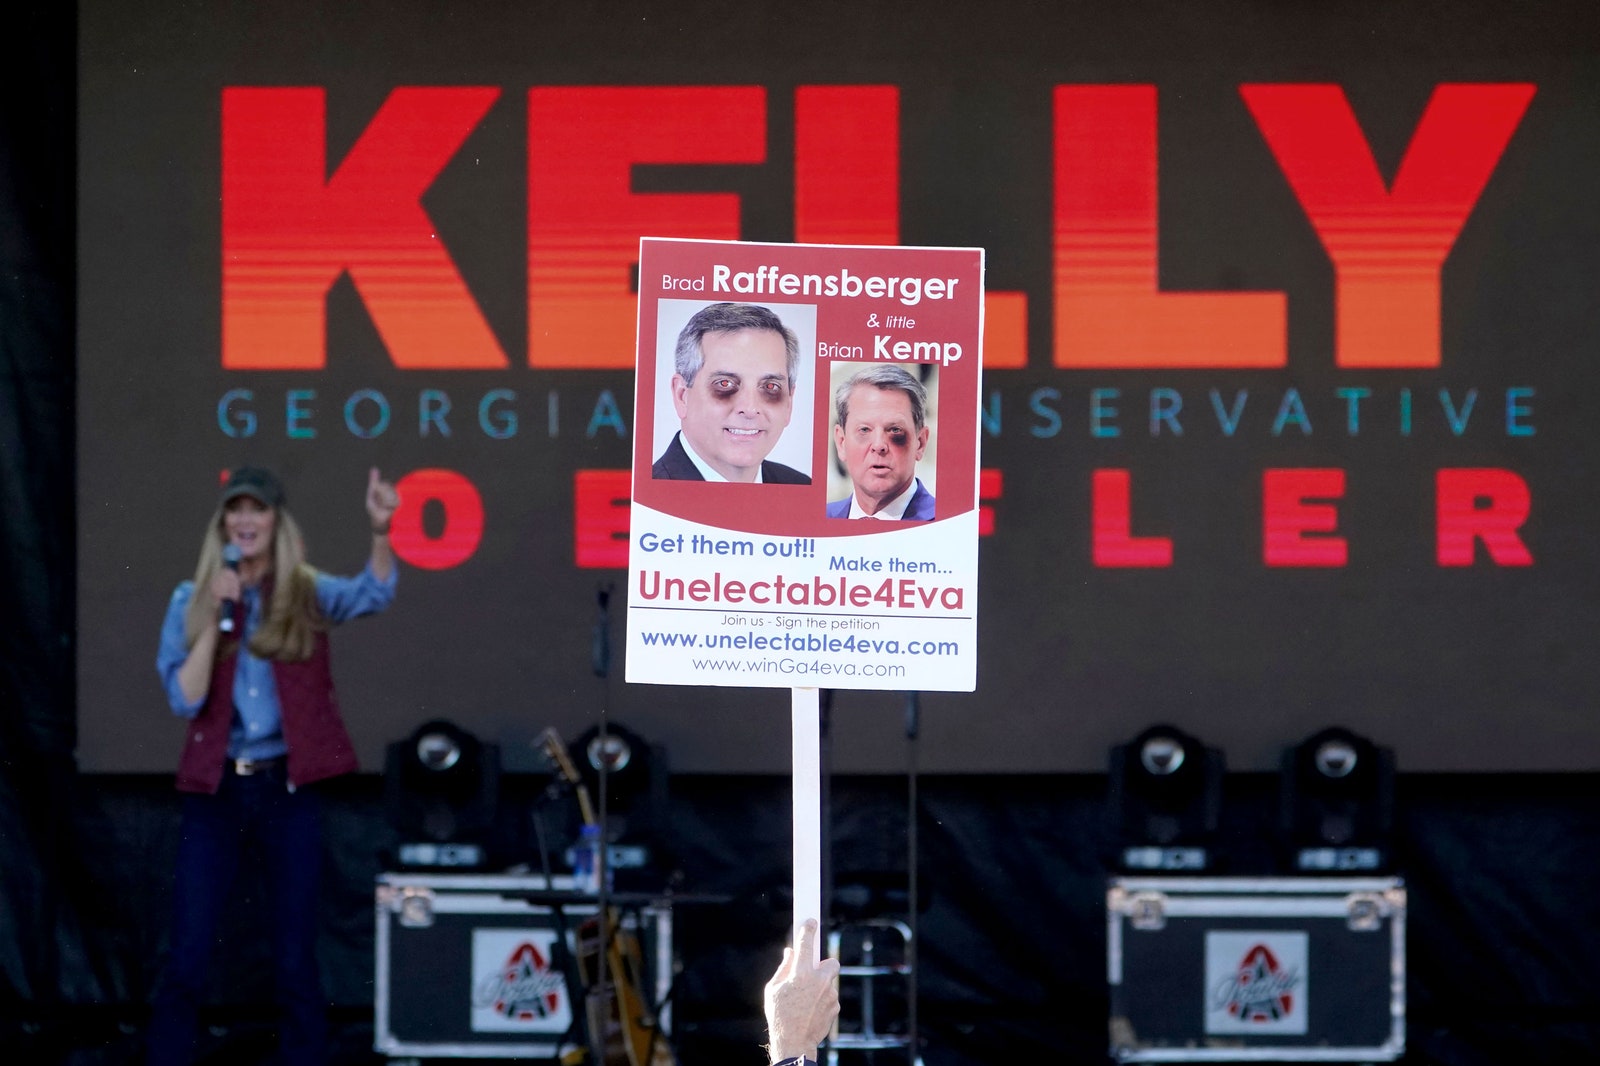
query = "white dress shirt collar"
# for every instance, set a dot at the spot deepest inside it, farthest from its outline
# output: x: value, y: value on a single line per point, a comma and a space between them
x: 893, y: 511
x: 704, y: 467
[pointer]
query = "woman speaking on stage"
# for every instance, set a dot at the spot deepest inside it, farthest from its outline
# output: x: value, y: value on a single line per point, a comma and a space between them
x: 244, y: 657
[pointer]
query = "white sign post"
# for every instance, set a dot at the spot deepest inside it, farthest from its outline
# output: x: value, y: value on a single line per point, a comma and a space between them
x: 806, y: 723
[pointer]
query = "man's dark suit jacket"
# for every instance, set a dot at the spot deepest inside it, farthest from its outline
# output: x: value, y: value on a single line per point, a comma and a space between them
x: 675, y: 465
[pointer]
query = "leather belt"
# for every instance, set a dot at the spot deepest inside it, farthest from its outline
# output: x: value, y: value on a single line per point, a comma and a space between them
x: 248, y: 767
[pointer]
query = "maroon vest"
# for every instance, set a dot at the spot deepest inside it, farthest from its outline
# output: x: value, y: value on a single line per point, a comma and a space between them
x: 319, y: 746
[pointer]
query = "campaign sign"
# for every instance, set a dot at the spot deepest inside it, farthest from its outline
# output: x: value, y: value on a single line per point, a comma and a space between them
x: 805, y: 469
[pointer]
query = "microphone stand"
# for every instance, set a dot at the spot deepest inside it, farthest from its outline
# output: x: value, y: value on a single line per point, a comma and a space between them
x: 600, y: 662
x: 561, y: 956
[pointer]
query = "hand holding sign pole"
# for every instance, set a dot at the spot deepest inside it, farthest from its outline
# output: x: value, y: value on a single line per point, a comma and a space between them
x: 801, y: 1000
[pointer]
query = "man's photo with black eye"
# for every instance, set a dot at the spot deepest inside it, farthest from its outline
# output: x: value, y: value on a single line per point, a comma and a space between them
x: 882, y: 429
x: 735, y: 374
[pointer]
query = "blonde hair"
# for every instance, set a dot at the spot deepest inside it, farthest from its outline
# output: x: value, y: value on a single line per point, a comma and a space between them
x: 292, y: 617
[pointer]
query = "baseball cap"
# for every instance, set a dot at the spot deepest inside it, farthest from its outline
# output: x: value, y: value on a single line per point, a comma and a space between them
x: 254, y: 481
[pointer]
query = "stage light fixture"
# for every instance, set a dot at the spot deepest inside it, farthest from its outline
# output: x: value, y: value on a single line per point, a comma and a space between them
x: 1166, y: 796
x: 442, y: 793
x: 438, y: 751
x: 1161, y: 755
x: 611, y: 752
x: 637, y: 816
x: 1337, y: 804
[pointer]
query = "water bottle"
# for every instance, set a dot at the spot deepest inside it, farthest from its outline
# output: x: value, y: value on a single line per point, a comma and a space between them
x: 586, y: 860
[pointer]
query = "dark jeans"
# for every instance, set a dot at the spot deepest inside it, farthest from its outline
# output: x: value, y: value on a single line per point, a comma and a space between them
x: 286, y: 826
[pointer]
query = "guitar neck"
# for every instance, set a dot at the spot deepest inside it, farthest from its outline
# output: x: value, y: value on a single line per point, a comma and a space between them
x: 556, y: 750
x: 585, y: 807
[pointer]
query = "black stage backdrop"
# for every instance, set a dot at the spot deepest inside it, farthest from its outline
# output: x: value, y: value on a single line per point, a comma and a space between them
x: 37, y: 713
x: 1476, y: 667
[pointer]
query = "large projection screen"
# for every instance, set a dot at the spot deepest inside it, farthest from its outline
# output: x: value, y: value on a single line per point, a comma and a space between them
x: 1291, y: 322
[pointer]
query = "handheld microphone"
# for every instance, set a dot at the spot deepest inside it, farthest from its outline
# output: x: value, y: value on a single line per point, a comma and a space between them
x: 230, y: 558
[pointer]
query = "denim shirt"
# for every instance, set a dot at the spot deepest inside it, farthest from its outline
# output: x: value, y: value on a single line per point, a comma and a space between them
x: 257, y: 731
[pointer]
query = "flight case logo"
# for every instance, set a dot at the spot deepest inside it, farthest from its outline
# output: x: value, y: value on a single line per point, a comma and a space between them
x: 1256, y: 982
x: 515, y: 986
